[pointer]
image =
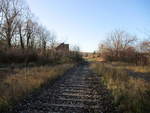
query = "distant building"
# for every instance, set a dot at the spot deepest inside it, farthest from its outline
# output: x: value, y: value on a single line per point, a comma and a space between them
x: 62, y: 47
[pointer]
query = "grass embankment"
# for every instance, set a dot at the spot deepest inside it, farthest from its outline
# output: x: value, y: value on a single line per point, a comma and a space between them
x: 131, y: 95
x: 16, y: 86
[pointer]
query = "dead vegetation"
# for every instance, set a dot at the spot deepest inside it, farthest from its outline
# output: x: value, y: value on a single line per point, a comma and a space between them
x: 15, y: 86
x: 135, y: 68
x: 131, y: 95
x: 124, y: 69
x: 122, y: 46
x: 25, y: 40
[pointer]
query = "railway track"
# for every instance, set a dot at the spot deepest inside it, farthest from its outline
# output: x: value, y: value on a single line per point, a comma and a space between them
x: 78, y: 91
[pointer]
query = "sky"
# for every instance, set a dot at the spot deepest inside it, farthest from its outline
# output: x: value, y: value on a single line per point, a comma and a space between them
x: 86, y: 23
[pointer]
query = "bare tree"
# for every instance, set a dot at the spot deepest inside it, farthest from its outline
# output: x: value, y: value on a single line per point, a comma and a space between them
x: 43, y: 36
x: 31, y: 30
x: 117, y: 44
x: 21, y: 25
x: 1, y: 18
x: 21, y: 32
x: 52, y: 40
x: 10, y: 9
x: 1, y: 13
x: 145, y: 46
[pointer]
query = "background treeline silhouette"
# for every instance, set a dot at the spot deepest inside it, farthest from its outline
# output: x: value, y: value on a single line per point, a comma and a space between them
x: 23, y: 39
x: 122, y: 46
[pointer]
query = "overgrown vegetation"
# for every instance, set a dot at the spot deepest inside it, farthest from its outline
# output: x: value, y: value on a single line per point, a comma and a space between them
x: 123, y: 68
x: 131, y: 95
x: 122, y: 46
x: 25, y: 40
x: 145, y: 69
x: 15, y: 86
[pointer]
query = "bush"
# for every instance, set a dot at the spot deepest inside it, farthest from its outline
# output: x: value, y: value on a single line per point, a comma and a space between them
x: 15, y: 55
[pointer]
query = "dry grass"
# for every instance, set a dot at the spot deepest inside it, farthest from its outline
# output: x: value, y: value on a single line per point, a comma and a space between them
x: 131, y: 95
x: 16, y: 86
x: 142, y: 69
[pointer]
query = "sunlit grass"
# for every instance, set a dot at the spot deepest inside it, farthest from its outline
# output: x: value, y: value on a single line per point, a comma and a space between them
x: 16, y: 86
x: 142, y: 69
x: 131, y: 95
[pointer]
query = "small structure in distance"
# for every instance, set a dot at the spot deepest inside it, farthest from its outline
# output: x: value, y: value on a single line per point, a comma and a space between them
x: 62, y: 47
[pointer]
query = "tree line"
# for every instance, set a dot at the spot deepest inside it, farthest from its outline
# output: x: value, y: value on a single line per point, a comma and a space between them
x: 19, y: 28
x: 123, y: 46
x: 22, y: 38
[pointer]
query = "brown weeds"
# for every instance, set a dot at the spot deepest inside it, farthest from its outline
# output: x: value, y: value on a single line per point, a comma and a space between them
x: 16, y: 86
x: 131, y: 95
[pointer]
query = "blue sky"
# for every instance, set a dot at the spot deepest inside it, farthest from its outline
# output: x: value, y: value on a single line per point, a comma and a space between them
x: 87, y: 22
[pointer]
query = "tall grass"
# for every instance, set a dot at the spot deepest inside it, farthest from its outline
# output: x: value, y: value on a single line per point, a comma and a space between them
x: 131, y: 95
x: 136, y: 68
x: 16, y: 86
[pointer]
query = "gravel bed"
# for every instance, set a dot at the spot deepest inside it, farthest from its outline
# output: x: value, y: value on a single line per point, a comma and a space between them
x: 78, y: 91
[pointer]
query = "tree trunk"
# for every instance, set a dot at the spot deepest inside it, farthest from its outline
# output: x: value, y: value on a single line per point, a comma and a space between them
x: 8, y: 40
x: 28, y: 38
x: 21, y: 38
